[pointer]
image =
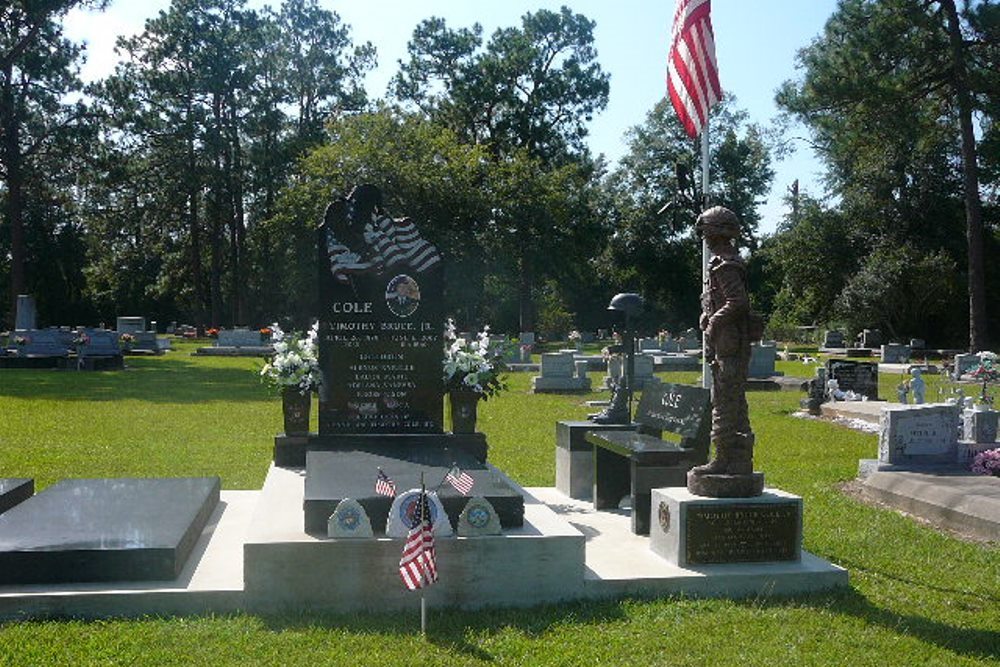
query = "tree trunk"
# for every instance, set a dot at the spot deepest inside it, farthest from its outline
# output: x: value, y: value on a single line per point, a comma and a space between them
x: 238, y: 250
x: 970, y: 180
x: 11, y: 160
x: 525, y: 296
x: 194, y: 231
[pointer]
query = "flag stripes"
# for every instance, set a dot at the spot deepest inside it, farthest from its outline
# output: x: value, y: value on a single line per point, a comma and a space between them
x: 391, y: 241
x: 692, y: 72
x: 384, y: 486
x: 418, y: 565
x: 460, y: 480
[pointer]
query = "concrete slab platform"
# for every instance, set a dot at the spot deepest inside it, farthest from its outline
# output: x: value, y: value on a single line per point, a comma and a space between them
x: 211, y: 581
x: 619, y: 562
x: 869, y: 411
x: 956, y: 500
x: 286, y: 568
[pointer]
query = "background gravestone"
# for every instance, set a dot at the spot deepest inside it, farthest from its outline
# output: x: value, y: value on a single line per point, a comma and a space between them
x: 919, y: 434
x: 861, y: 377
x: 381, y: 322
x: 26, y: 316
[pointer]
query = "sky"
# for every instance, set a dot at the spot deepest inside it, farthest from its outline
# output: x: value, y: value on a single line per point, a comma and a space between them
x: 756, y: 43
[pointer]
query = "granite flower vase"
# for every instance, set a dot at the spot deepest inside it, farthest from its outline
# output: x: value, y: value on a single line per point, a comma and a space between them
x: 463, y: 411
x: 295, y: 409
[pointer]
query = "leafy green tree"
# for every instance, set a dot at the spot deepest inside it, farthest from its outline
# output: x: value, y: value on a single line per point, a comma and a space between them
x: 901, y: 290
x: 651, y: 204
x: 206, y: 118
x: 526, y: 95
x: 38, y: 73
x: 889, y: 92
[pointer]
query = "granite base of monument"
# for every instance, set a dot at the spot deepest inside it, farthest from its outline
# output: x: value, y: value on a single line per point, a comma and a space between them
x: 332, y: 476
x: 575, y: 456
x: 692, y: 531
x: 14, y: 490
x: 287, y: 568
x: 105, y: 530
x: 290, y: 450
x: 13, y: 361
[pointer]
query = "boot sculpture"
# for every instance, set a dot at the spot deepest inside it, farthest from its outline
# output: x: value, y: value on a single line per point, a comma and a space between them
x: 729, y: 327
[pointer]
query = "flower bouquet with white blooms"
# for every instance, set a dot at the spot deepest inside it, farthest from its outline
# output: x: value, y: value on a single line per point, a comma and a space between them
x: 295, y: 364
x: 473, y: 365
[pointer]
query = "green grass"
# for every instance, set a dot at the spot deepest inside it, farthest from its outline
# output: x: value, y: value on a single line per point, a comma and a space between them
x: 917, y: 597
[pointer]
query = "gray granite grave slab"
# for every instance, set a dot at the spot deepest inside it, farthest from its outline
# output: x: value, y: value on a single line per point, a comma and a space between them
x: 238, y: 338
x: 105, y: 530
x: 980, y: 425
x: 478, y: 519
x: 130, y: 324
x: 101, y: 343
x: 918, y: 434
x: 14, y: 490
x: 401, y: 515
x: 762, y: 358
x: 26, y: 315
x: 46, y: 343
x: 349, y: 521
x: 833, y: 338
x: 894, y: 353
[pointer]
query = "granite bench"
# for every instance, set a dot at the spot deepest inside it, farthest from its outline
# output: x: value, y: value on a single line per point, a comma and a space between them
x: 633, y: 463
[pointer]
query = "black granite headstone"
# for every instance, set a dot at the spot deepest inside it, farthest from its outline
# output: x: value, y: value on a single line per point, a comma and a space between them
x: 381, y: 322
x: 861, y: 377
x: 105, y: 530
x: 14, y: 490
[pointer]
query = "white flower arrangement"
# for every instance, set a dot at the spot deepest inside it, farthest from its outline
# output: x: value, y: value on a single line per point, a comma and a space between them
x: 295, y: 362
x: 475, y: 365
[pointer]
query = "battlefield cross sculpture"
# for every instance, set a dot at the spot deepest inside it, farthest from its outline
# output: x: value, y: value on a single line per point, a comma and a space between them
x: 729, y: 328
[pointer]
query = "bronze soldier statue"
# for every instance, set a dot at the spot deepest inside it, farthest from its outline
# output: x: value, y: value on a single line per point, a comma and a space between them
x: 729, y: 328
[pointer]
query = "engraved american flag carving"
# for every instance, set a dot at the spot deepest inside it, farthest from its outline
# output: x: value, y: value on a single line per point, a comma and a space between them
x: 692, y: 73
x: 384, y: 486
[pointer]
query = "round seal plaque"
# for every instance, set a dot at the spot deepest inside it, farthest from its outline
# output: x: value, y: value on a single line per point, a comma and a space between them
x: 478, y: 517
x: 408, y: 510
x: 402, y: 295
x: 349, y: 519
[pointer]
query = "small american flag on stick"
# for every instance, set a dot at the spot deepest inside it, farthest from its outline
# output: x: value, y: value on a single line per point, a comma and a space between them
x: 384, y: 486
x: 418, y: 566
x: 460, y: 480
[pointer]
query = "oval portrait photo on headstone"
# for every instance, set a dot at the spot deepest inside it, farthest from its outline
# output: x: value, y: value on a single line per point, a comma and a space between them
x: 402, y: 295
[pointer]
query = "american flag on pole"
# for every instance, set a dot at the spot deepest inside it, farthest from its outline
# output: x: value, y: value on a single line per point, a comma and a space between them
x: 692, y: 73
x: 418, y: 566
x: 460, y: 480
x: 384, y: 486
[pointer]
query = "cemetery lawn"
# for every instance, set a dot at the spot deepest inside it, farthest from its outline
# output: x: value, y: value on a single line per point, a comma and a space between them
x: 917, y: 596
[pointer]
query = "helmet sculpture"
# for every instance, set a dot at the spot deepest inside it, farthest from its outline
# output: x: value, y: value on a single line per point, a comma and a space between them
x: 718, y: 220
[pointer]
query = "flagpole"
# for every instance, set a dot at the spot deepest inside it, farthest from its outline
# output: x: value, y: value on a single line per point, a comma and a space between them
x: 705, y: 382
x: 420, y: 517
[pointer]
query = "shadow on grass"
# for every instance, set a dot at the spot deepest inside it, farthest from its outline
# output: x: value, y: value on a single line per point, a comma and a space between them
x: 160, y: 381
x: 966, y: 642
x: 449, y: 628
